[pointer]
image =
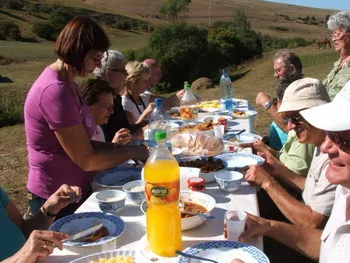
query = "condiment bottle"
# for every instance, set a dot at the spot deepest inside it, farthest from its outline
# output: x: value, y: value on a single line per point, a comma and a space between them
x: 162, y: 176
x: 196, y: 184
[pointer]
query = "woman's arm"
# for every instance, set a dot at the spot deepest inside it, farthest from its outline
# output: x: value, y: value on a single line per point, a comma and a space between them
x: 172, y: 101
x: 77, y: 145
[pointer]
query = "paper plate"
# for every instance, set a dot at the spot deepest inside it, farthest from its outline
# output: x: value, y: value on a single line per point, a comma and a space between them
x: 81, y: 221
x: 138, y: 256
x: 224, y: 252
x: 243, y: 138
x: 117, y: 177
x: 239, y: 160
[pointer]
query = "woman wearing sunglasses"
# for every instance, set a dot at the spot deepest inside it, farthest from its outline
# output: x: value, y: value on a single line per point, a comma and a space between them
x: 331, y: 244
x: 58, y: 123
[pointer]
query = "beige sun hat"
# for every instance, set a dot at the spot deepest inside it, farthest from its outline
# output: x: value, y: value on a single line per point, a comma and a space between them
x: 334, y: 116
x: 304, y: 93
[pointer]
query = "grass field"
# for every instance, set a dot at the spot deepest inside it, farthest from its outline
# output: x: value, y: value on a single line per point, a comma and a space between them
x: 257, y: 76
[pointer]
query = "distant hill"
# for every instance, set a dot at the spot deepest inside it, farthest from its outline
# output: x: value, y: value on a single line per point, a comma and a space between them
x: 269, y: 18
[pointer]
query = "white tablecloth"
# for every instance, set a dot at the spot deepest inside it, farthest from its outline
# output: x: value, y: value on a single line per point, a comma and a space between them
x: 134, y: 237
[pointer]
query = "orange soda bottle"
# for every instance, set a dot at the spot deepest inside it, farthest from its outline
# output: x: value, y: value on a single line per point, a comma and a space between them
x: 162, y: 176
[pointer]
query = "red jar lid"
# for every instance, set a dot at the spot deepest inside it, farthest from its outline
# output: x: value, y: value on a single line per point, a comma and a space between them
x: 195, y: 181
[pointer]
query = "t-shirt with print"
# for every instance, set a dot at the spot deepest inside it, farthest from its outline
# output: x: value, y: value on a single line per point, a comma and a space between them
x: 337, y: 78
x: 130, y: 106
x: 51, y: 104
x: 12, y: 238
x: 319, y: 193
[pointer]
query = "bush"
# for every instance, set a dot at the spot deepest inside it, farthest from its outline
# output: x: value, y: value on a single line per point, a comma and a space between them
x: 183, y: 52
x: 272, y: 43
x: 9, y: 30
x: 59, y: 18
x: 32, y: 8
x: 44, y: 30
x: 13, y: 4
x: 123, y: 24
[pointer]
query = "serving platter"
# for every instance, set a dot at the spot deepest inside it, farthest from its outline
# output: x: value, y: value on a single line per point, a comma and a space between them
x: 224, y: 252
x: 243, y: 138
x: 116, y: 177
x: 78, y: 222
x: 247, y: 114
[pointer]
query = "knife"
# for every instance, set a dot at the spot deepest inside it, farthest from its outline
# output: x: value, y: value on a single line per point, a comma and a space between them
x: 83, y: 233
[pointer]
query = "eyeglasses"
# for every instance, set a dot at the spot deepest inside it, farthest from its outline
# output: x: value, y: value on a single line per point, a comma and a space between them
x: 342, y: 143
x: 295, y: 119
x: 338, y: 36
x: 119, y: 70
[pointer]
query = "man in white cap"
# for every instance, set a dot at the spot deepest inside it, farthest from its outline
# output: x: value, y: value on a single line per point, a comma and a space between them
x: 331, y: 244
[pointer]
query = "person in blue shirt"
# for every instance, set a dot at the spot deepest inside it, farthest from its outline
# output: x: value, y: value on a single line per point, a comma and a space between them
x: 27, y: 240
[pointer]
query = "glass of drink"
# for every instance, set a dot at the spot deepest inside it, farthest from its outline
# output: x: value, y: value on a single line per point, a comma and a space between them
x: 235, y: 222
x: 219, y: 131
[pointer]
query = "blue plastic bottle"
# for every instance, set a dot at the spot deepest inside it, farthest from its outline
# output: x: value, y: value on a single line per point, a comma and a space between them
x: 226, y: 90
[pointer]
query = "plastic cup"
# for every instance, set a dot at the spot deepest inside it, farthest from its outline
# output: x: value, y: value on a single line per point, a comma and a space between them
x: 235, y: 223
x: 219, y: 131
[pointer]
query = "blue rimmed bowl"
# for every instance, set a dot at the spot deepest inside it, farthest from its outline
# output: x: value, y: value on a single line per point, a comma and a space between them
x: 229, y: 181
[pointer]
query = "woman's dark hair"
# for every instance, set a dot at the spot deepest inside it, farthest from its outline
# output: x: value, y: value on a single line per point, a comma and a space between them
x: 94, y: 88
x: 80, y: 36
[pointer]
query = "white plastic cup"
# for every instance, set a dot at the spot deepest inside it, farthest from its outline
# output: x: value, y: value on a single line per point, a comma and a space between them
x: 235, y: 223
x: 219, y: 131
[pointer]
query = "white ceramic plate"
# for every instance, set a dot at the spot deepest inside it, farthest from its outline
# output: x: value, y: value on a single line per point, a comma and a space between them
x: 243, y: 138
x: 78, y: 222
x: 209, y: 109
x: 239, y: 160
x: 139, y: 257
x: 224, y: 252
x: 248, y: 113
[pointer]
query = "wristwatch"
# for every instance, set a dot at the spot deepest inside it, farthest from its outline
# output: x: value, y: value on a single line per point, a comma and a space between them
x: 267, y: 105
x: 46, y: 213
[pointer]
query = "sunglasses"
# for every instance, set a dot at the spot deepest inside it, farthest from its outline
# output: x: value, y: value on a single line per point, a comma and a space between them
x: 342, y: 143
x: 119, y: 70
x: 295, y: 119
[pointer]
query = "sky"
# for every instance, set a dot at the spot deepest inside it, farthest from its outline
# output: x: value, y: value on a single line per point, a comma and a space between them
x: 333, y: 4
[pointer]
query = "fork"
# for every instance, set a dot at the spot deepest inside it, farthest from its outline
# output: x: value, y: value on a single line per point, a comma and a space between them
x: 195, y: 257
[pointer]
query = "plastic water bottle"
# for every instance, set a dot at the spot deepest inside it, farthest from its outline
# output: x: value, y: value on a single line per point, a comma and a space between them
x: 188, y: 98
x: 226, y: 90
x: 158, y: 120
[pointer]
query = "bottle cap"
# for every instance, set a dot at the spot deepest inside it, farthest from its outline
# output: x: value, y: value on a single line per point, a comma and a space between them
x: 195, y: 181
x: 160, y: 135
x: 187, y: 85
x: 158, y: 102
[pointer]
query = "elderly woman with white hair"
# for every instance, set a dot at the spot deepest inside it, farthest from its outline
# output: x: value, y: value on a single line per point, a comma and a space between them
x: 339, y: 24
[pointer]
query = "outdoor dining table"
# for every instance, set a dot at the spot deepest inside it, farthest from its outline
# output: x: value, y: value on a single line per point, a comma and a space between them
x: 134, y: 237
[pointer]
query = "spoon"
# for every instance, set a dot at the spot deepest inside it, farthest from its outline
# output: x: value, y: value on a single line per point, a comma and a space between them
x: 195, y: 257
x: 181, y: 206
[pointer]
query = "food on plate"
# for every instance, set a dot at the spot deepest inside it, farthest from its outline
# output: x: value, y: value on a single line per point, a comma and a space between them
x: 188, y: 112
x: 193, y: 143
x: 238, y: 113
x: 209, y: 104
x: 192, y: 207
x: 204, y: 126
x: 102, y: 232
x: 173, y: 114
x: 117, y: 259
x: 207, y: 165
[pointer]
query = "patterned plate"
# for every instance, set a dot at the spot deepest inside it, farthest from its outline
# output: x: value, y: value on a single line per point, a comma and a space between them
x: 224, y: 252
x: 138, y: 256
x: 239, y: 160
x: 80, y: 221
x: 118, y: 176
x: 243, y: 138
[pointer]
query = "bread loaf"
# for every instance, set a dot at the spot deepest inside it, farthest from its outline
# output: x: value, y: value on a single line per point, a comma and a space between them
x: 194, y: 143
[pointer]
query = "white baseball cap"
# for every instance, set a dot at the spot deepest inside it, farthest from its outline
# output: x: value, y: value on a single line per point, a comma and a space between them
x: 333, y: 116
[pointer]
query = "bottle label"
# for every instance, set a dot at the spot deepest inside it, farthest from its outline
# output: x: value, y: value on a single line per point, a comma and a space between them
x: 162, y: 193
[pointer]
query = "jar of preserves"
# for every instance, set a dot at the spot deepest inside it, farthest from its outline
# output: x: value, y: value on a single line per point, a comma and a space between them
x: 196, y: 184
